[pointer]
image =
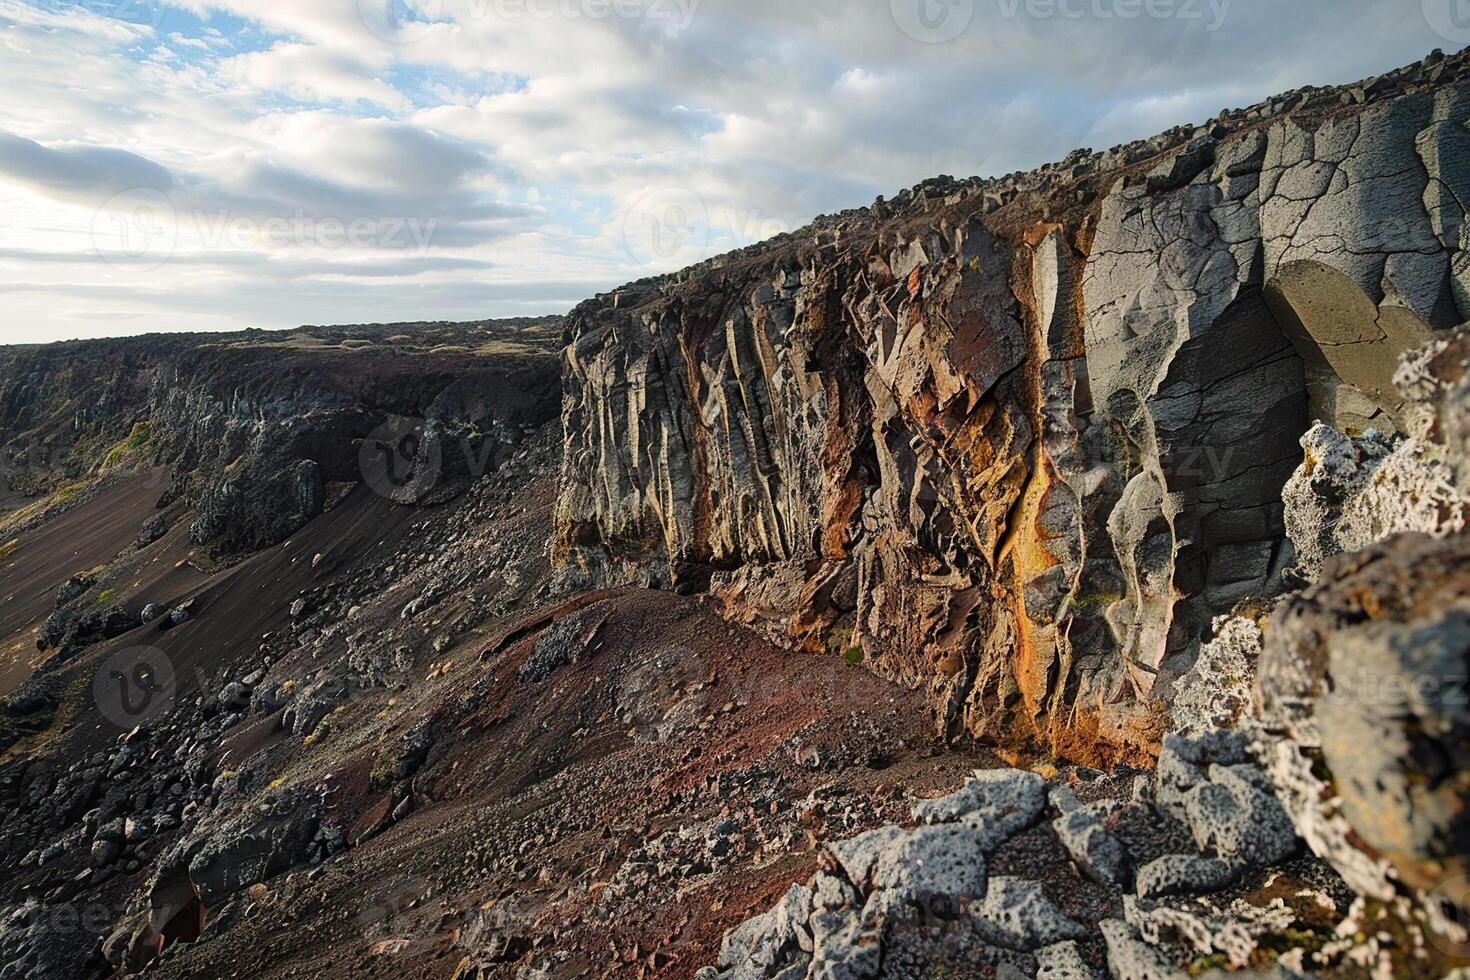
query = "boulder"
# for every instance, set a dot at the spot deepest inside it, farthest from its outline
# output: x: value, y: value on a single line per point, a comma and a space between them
x: 996, y: 803
x: 1366, y: 673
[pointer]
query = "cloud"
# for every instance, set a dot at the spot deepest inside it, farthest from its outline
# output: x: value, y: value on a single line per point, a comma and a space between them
x: 258, y: 262
x: 78, y: 172
x: 524, y: 144
x: 311, y: 73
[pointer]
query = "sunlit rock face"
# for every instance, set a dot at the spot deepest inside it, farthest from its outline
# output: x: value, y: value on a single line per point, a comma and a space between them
x: 1018, y: 442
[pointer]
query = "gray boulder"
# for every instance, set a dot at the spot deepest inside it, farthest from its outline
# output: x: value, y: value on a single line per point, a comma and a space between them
x: 1017, y: 914
x: 997, y: 803
x: 1183, y: 874
x: 1096, y: 850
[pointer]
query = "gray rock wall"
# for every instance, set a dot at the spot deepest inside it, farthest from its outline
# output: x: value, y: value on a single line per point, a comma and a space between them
x: 1021, y: 443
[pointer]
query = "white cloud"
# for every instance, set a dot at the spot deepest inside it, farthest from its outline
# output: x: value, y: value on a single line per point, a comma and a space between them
x: 525, y: 145
x: 311, y: 73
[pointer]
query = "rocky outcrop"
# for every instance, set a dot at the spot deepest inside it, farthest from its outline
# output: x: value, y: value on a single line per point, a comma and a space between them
x: 259, y: 442
x: 261, y: 432
x: 1360, y: 702
x: 1021, y: 442
x: 999, y: 874
x: 1338, y: 722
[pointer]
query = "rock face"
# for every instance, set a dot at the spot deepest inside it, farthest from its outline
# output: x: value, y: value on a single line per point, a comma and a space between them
x: 260, y: 431
x: 258, y: 442
x: 1021, y: 442
x: 1353, y: 742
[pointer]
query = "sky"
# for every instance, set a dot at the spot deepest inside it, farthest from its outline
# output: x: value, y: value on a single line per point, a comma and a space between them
x: 221, y: 164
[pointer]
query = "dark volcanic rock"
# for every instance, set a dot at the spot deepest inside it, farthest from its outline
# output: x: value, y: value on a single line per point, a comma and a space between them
x: 260, y: 428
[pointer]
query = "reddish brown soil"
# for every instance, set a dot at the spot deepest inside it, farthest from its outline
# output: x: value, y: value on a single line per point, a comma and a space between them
x: 45, y: 557
x: 543, y: 828
x: 534, y: 799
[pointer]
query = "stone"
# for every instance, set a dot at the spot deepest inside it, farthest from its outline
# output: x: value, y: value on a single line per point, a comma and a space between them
x: 73, y: 588
x: 1131, y: 959
x: 1062, y: 961
x: 104, y: 852
x: 1237, y: 817
x: 997, y: 803
x: 1098, y: 853
x: 1184, y: 763
x: 1353, y: 492
x: 1017, y: 914
x: 235, y: 695
x: 1219, y: 688
x: 1362, y: 677
x: 933, y: 865
x: 773, y: 943
x: 1183, y: 874
x: 858, y: 856
x: 560, y: 645
x: 1237, y: 930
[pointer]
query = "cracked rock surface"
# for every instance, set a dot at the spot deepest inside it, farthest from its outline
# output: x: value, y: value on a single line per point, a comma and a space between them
x: 1020, y: 443
x: 1317, y: 766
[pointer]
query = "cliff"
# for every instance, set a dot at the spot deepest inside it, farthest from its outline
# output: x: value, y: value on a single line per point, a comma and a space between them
x: 1019, y: 442
x: 258, y: 429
